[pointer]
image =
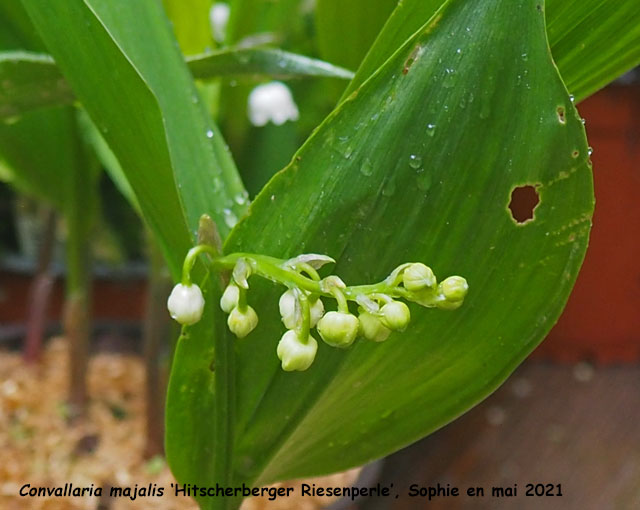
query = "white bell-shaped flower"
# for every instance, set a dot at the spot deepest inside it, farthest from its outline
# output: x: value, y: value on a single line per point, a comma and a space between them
x: 271, y: 102
x: 294, y: 354
x: 218, y: 19
x: 186, y: 304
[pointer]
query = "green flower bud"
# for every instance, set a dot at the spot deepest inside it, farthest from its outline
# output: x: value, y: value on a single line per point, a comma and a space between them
x: 371, y: 328
x: 418, y: 277
x: 454, y: 288
x: 395, y: 315
x: 186, y: 304
x: 294, y: 354
x: 241, y: 323
x: 443, y: 304
x: 338, y: 329
x: 229, y: 299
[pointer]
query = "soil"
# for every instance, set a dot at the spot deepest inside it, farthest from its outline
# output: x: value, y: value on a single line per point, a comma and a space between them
x: 38, y: 446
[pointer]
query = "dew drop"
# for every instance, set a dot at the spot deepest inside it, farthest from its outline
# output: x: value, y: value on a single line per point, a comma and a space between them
x: 572, y: 98
x: 431, y: 129
x: 367, y: 168
x: 415, y: 161
x: 458, y: 51
x: 449, y: 78
x: 209, y: 133
x: 241, y: 198
x: 230, y: 218
x: 347, y: 152
x: 590, y: 151
x: 525, y: 57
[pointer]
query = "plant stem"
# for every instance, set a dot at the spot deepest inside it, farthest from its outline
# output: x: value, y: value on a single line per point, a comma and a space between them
x: 40, y: 291
x: 81, y: 211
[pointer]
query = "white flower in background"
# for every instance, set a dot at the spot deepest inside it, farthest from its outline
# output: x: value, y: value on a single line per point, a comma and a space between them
x: 186, y: 304
x: 218, y: 18
x: 271, y: 102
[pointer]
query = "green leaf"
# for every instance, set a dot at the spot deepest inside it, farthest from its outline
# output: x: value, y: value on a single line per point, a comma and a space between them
x: 345, y: 30
x: 262, y: 62
x: 190, y: 21
x: 593, y: 42
x: 173, y: 155
x: 251, y: 17
x: 32, y: 80
x: 39, y: 153
x: 419, y: 165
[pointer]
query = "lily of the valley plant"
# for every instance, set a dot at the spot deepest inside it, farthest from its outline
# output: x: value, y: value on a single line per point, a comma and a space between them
x: 410, y: 161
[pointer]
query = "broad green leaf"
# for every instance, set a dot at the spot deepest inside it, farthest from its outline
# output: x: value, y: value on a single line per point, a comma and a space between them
x: 251, y: 17
x: 190, y: 20
x: 32, y: 80
x: 262, y: 62
x: 346, y: 30
x: 419, y: 165
x: 39, y: 153
x: 108, y: 160
x: 592, y: 42
x: 172, y: 154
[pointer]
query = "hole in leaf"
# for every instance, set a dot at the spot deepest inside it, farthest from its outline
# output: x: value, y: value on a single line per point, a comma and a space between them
x: 561, y: 117
x: 524, y: 200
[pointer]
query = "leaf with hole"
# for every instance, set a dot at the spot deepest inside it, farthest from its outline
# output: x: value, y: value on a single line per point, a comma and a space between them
x: 418, y: 164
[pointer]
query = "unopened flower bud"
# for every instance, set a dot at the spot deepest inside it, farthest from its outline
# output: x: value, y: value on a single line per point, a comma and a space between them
x: 371, y: 328
x: 454, y: 288
x: 418, y: 277
x: 338, y: 329
x: 241, y: 323
x: 271, y: 102
x: 186, y: 304
x: 316, y: 310
x: 294, y: 354
x: 288, y: 305
x: 229, y: 299
x: 395, y: 315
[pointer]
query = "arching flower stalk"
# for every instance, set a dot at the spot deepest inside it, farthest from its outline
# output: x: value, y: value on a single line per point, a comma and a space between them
x: 380, y: 309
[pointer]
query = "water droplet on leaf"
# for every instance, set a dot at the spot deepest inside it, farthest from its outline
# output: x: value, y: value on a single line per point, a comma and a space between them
x: 367, y: 168
x: 415, y: 161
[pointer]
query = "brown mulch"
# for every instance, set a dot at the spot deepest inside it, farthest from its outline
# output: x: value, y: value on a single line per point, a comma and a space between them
x: 38, y: 446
